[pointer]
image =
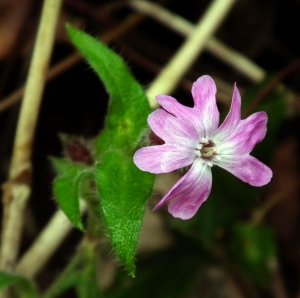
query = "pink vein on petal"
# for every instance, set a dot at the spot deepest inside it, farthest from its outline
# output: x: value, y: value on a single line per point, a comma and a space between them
x: 163, y: 158
x: 181, y: 112
x: 247, y: 168
x: 188, y: 194
x: 248, y: 133
x: 171, y: 105
x: 232, y: 119
x: 171, y: 129
x: 204, y: 95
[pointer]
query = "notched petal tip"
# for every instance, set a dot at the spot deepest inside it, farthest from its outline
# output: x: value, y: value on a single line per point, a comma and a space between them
x: 205, y: 81
x: 162, y: 99
x: 203, y: 90
x: 205, y: 106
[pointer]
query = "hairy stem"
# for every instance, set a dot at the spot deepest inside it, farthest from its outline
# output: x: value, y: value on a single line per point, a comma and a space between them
x: 67, y: 274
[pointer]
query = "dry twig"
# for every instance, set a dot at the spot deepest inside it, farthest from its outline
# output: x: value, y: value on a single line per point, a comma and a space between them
x: 17, y: 189
x: 190, y: 50
x: 213, y: 45
x: 54, y: 234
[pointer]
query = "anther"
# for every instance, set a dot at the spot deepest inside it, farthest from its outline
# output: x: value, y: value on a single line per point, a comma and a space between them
x: 207, y: 151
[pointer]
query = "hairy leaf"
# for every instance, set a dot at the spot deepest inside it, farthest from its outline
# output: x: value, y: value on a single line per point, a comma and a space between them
x: 66, y: 188
x: 123, y: 189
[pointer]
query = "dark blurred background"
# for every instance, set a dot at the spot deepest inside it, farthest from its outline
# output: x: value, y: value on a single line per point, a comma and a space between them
x: 75, y: 103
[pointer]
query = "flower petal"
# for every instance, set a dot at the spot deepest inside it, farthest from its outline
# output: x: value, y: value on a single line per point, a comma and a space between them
x: 163, y: 158
x: 248, y: 133
x: 247, y: 168
x: 204, y: 94
x: 188, y: 194
x: 232, y: 119
x: 171, y: 105
x: 172, y: 130
x: 186, y: 114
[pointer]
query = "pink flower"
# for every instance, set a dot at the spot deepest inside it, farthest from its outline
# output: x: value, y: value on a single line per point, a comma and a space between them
x: 192, y: 137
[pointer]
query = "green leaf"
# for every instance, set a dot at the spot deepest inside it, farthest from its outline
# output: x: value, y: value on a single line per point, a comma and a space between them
x: 66, y: 188
x: 254, y: 250
x: 129, y: 107
x: 123, y: 189
x: 23, y: 287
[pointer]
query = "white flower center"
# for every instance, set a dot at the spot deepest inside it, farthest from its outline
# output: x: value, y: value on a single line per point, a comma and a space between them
x: 206, y: 149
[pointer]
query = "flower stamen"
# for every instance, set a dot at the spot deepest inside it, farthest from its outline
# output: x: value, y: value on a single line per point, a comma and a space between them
x: 208, y: 150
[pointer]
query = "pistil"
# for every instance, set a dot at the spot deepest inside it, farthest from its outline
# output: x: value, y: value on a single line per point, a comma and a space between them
x: 208, y: 149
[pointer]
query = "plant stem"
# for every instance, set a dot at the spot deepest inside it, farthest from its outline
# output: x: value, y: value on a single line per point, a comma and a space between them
x: 60, y: 283
x: 58, y: 226
x: 86, y: 254
x: 47, y: 242
x: 189, y: 51
x: 40, y: 249
x: 17, y: 189
x: 213, y: 45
